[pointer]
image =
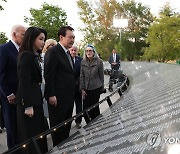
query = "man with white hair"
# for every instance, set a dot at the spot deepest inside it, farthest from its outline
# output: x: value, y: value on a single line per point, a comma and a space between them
x: 9, y: 82
x: 78, y: 98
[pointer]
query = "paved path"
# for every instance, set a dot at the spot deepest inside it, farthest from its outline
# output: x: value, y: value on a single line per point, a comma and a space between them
x: 145, y: 120
x: 103, y: 107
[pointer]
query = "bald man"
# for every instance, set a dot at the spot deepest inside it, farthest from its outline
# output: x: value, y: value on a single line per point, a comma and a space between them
x: 9, y: 82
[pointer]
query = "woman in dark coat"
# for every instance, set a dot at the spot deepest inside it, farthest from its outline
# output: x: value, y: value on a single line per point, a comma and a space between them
x: 30, y: 116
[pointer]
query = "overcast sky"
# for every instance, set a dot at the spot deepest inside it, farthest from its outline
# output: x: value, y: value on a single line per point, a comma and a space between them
x: 15, y: 10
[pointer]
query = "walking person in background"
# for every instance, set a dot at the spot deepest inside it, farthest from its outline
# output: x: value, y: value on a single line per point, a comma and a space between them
x: 91, y: 81
x: 9, y: 82
x: 78, y: 98
x: 60, y: 83
x: 114, y: 60
x: 30, y: 115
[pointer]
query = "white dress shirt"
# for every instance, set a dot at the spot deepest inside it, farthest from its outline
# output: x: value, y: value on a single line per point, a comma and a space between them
x: 114, y: 57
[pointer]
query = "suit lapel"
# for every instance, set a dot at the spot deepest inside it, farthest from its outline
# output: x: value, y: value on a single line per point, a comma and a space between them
x: 112, y: 60
x: 37, y: 63
x: 76, y: 61
x: 14, y: 50
x: 63, y: 54
x: 76, y: 64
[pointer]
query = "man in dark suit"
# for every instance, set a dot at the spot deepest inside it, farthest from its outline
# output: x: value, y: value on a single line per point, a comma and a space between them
x: 78, y: 98
x: 60, y: 83
x: 9, y: 82
x: 114, y: 60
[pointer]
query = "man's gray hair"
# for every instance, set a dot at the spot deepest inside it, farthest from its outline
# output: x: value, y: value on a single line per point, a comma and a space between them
x: 15, y: 29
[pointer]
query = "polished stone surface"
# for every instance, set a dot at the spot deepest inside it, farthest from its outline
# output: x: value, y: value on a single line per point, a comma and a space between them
x: 145, y: 120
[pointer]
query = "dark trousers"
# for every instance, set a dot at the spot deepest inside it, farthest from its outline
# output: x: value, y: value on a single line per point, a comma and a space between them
x: 78, y: 102
x: 115, y: 67
x: 2, y: 124
x: 9, y: 114
x: 29, y: 127
x: 91, y: 99
x: 57, y: 115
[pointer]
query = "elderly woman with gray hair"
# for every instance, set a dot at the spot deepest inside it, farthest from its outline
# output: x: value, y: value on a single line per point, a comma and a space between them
x: 91, y: 81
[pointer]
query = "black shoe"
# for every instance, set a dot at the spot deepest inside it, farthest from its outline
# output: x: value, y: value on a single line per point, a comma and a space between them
x: 78, y: 126
x: 0, y: 131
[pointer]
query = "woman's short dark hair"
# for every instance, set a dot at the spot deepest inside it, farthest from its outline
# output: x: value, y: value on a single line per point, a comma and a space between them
x: 63, y: 29
x: 29, y: 38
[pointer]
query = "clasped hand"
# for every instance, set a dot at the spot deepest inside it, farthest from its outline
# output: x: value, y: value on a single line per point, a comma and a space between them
x: 84, y: 94
x: 29, y: 112
x: 53, y: 100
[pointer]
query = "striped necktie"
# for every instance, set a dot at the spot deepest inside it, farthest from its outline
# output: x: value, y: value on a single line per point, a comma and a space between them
x: 70, y: 59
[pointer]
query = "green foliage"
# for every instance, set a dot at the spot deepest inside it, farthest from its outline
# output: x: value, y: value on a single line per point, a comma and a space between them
x: 140, y: 18
x: 163, y: 37
x: 166, y: 11
x: 98, y: 25
x: 99, y: 28
x: 48, y: 17
x: 1, y: 8
x: 3, y: 38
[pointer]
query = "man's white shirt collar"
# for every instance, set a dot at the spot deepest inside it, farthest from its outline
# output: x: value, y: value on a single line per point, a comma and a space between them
x: 114, y: 57
x: 63, y: 48
x: 16, y: 45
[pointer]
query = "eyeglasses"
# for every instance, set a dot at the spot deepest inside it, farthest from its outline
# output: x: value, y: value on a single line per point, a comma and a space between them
x: 89, y: 50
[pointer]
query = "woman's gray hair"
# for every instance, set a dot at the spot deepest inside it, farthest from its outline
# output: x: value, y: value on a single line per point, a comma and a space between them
x: 94, y: 50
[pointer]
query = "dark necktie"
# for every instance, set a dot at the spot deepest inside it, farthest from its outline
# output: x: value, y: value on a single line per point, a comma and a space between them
x: 70, y: 60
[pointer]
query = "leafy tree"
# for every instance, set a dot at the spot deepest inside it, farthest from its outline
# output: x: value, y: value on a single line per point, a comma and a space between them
x: 99, y: 28
x: 140, y: 18
x: 48, y: 17
x: 1, y: 8
x: 166, y: 11
x: 3, y: 38
x: 98, y: 24
x: 163, y: 37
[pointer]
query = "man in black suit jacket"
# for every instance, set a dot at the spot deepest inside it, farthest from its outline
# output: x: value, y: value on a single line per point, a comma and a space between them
x: 60, y: 83
x: 78, y: 98
x: 9, y: 82
x: 114, y: 60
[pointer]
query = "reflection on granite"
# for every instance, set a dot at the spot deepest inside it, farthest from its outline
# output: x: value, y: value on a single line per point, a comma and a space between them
x: 146, y: 120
